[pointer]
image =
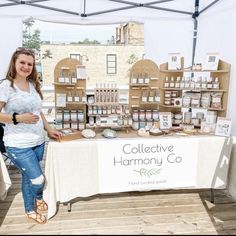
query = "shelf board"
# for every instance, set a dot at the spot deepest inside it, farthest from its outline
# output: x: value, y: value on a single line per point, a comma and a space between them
x: 151, y: 103
x: 196, y: 90
x: 64, y: 84
x: 107, y: 125
x: 215, y: 109
x: 209, y: 108
x: 139, y: 85
x: 212, y: 109
x: 110, y: 115
x: 194, y: 71
x: 171, y: 89
x: 168, y: 106
x: 105, y: 104
x: 77, y: 103
x: 136, y: 88
x: 172, y: 71
x: 202, y: 71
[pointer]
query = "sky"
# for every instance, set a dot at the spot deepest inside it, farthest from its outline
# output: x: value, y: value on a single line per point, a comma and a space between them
x: 74, y: 33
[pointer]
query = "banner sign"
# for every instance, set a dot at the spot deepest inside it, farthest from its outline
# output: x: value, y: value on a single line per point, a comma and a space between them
x: 130, y: 165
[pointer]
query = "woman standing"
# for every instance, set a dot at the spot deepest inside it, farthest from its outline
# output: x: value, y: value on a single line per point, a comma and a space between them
x: 24, y: 137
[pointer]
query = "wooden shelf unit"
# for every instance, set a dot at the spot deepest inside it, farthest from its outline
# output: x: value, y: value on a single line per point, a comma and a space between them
x: 77, y: 88
x: 223, y: 74
x: 150, y: 71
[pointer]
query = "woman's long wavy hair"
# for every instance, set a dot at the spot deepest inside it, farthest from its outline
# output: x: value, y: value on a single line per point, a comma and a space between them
x: 33, y: 77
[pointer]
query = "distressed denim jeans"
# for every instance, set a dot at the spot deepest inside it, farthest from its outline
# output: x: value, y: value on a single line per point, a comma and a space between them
x: 27, y: 160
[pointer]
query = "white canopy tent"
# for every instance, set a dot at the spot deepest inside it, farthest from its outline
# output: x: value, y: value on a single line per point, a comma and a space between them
x: 170, y: 26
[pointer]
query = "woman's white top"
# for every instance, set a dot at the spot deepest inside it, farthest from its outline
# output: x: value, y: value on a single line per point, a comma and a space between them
x: 21, y: 135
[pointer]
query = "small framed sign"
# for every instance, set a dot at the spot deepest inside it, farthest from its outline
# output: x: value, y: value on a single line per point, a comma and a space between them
x: 81, y: 72
x: 61, y: 100
x: 223, y: 126
x: 165, y: 120
x: 212, y: 61
x: 174, y: 61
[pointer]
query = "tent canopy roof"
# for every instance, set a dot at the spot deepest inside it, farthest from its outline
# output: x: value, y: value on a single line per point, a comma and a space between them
x: 104, y: 11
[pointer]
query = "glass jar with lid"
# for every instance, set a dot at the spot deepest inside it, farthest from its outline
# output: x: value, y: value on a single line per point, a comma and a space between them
x: 135, y: 115
x: 148, y: 115
x: 155, y: 115
x: 142, y: 115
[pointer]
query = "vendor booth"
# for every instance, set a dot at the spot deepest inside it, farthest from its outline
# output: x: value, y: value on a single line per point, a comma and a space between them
x: 176, y: 129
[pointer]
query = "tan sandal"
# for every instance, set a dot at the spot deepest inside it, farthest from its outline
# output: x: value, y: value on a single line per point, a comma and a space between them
x: 41, y: 205
x: 38, y: 218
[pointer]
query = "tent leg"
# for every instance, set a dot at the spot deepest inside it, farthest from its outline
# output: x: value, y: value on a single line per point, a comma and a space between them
x: 69, y: 207
x: 212, y: 195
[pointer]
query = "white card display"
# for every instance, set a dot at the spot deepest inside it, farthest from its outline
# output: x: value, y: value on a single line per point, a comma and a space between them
x: 212, y: 61
x: 223, y: 126
x: 61, y: 100
x: 81, y: 72
x: 165, y: 120
x: 174, y: 61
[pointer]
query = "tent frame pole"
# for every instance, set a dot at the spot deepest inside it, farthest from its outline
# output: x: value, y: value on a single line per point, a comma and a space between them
x: 26, y: 2
x: 195, y: 29
x: 32, y: 3
x: 211, y: 4
x: 133, y: 5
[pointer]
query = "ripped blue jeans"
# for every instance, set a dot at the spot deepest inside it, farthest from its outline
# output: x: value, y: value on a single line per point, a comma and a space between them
x: 27, y: 160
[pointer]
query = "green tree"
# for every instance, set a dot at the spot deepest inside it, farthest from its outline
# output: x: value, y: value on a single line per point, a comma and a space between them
x: 132, y: 59
x: 47, y: 54
x: 31, y: 39
x: 87, y: 41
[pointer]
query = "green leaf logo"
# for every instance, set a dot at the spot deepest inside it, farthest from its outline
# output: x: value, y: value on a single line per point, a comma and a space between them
x: 148, y: 173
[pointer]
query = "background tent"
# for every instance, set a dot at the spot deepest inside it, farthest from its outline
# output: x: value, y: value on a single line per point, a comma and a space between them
x: 169, y: 26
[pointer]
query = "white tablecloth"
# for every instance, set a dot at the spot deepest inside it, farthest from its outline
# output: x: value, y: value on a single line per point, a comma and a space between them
x: 80, y: 169
x: 5, y: 181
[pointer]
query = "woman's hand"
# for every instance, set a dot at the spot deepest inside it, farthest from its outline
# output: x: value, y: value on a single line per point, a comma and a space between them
x: 27, y: 118
x: 52, y: 133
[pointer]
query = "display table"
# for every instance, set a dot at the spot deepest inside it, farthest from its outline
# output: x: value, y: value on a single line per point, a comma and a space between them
x: 85, y: 167
x: 5, y: 181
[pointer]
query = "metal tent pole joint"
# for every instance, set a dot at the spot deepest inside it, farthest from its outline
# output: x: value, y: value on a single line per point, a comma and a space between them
x: 196, y: 12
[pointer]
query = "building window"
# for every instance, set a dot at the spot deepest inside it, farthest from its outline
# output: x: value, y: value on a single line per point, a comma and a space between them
x: 76, y: 56
x: 111, y: 64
